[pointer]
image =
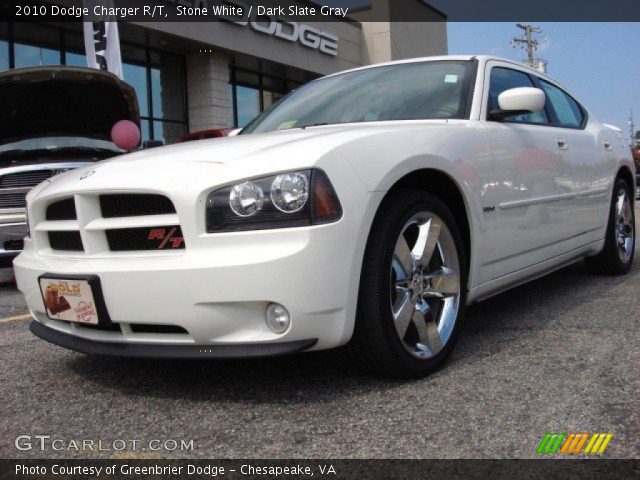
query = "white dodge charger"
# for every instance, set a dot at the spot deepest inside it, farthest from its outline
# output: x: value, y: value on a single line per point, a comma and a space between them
x: 365, y: 208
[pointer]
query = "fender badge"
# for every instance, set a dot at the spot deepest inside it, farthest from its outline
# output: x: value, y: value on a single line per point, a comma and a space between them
x: 87, y: 175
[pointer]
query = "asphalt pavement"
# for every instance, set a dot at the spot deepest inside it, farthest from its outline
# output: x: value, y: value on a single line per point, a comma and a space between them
x: 560, y: 354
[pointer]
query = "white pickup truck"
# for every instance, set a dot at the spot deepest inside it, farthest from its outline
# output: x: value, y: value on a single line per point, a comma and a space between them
x: 53, y: 119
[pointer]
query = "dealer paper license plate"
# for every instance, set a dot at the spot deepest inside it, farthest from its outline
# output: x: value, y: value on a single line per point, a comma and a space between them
x: 69, y: 300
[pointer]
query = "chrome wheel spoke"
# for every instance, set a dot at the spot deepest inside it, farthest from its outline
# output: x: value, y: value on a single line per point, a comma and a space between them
x: 443, y: 283
x: 403, y: 311
x: 620, y: 205
x: 427, y: 329
x: 427, y: 241
x: 402, y: 259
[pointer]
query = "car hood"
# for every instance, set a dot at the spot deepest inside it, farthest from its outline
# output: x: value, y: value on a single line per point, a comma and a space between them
x: 208, y: 163
x: 297, y: 145
x: 63, y: 101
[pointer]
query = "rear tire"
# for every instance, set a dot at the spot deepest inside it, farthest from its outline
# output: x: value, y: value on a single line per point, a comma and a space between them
x: 616, y: 257
x: 412, y: 287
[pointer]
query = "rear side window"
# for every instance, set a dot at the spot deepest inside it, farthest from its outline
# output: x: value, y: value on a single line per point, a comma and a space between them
x: 566, y: 108
x: 504, y: 79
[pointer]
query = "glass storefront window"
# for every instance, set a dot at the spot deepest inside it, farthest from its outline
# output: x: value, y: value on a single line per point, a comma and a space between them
x: 145, y: 130
x: 4, y: 55
x: 254, y: 93
x: 75, y: 59
x: 269, y: 98
x: 248, y: 104
x: 136, y: 76
x: 168, y: 132
x: 30, y: 56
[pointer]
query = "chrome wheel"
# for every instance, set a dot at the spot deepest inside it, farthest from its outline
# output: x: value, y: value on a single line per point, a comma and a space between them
x: 425, y: 285
x: 625, y: 231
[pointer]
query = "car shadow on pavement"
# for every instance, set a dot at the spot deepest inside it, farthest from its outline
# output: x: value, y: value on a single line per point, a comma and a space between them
x: 538, y: 305
x: 313, y: 377
x: 319, y: 376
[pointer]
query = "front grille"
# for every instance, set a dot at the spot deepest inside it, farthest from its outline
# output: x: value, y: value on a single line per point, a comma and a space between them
x: 10, y: 245
x: 148, y: 232
x: 25, y: 179
x: 13, y: 200
x: 135, y: 205
x: 62, y: 210
x: 66, y: 241
x: 146, y: 238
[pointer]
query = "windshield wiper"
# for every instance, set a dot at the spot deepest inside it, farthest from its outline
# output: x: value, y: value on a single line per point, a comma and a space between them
x: 313, y: 125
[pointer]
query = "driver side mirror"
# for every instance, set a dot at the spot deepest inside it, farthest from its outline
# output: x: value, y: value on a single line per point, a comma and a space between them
x: 518, y: 101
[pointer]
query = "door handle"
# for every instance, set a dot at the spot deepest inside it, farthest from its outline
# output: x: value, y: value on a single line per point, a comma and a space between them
x: 562, y: 142
x: 607, y: 144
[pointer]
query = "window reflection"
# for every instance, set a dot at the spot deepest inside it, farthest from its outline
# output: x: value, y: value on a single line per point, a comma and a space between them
x: 136, y: 76
x: 145, y: 130
x: 255, y: 92
x: 30, y: 56
x: 4, y: 56
x: 248, y: 101
x: 269, y: 98
x: 75, y: 59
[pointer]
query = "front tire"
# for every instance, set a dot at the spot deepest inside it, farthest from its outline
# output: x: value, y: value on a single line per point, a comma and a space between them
x: 616, y: 257
x: 412, y: 287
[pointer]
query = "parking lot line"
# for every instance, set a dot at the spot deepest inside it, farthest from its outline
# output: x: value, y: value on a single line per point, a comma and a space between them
x: 26, y: 316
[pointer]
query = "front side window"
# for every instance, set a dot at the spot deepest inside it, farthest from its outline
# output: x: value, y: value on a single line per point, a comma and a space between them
x: 505, y: 79
x: 566, y: 108
x: 411, y: 91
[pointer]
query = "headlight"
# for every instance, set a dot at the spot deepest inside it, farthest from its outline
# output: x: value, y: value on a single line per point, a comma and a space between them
x: 290, y: 191
x: 246, y: 199
x: 291, y: 199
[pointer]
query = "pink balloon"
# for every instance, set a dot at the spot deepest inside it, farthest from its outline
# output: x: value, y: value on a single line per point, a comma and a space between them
x: 125, y: 134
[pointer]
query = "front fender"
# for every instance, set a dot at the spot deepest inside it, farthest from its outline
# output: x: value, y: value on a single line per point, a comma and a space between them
x: 462, y: 152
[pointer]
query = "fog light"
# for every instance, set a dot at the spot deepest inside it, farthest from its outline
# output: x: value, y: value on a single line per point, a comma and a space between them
x: 278, y: 318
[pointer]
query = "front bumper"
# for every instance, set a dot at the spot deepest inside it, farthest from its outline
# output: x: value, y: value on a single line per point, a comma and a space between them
x: 122, y: 349
x: 218, y: 294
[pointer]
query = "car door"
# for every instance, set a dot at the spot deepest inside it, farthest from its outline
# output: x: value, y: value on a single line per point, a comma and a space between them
x: 534, y: 180
x: 592, y: 157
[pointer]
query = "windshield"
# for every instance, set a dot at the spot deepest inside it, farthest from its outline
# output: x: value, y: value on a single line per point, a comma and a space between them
x: 52, y: 144
x: 409, y: 91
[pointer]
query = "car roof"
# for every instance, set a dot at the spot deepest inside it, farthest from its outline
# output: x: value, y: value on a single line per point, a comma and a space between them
x: 480, y: 58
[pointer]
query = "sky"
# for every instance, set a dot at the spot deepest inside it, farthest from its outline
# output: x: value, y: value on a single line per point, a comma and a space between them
x: 598, y: 62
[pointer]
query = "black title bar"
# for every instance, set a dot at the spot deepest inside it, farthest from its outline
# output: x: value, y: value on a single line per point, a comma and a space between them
x: 322, y: 11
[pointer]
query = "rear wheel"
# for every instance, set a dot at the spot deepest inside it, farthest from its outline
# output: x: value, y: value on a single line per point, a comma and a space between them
x: 617, y: 256
x: 411, y: 289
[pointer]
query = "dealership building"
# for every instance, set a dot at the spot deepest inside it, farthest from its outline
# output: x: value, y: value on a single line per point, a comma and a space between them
x: 192, y: 76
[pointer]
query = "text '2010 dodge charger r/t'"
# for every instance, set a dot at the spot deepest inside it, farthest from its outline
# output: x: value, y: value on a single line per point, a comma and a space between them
x: 365, y: 208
